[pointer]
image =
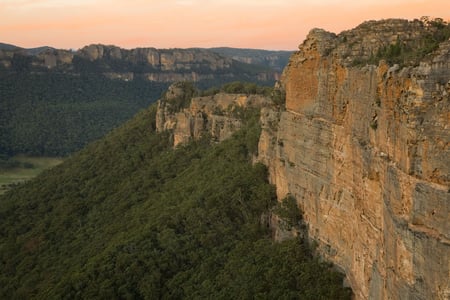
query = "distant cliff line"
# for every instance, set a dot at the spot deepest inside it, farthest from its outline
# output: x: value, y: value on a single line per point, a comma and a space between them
x: 56, y: 101
x: 163, y: 65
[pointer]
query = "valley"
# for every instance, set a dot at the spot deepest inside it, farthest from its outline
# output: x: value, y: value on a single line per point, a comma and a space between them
x: 28, y: 168
x: 55, y: 101
x: 332, y: 182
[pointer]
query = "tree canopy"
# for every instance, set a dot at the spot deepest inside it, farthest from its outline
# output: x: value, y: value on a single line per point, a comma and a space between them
x: 128, y: 217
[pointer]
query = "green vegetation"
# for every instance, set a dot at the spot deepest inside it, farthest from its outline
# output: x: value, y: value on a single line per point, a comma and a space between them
x: 19, y: 169
x: 128, y: 217
x: 54, y: 114
x: 278, y: 97
x: 7, y: 163
x: 289, y: 213
x: 276, y: 59
x: 239, y: 87
x: 412, y: 52
x: 184, y: 99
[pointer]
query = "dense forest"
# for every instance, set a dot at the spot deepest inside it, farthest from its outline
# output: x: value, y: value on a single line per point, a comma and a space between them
x: 129, y: 217
x: 54, y: 112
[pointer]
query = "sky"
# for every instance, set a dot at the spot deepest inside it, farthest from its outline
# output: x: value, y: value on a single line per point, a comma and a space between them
x: 261, y: 24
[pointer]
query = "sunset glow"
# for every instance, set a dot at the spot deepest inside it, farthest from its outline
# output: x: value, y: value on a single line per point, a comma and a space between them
x: 265, y: 24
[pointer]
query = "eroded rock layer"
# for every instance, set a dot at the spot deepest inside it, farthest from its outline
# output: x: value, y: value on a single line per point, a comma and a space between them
x: 364, y: 147
x: 217, y: 116
x: 151, y: 64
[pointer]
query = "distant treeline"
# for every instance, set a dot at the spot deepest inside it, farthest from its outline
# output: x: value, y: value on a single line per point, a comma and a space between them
x: 54, y: 113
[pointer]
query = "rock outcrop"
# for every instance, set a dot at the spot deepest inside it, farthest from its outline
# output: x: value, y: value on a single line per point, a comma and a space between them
x: 364, y: 147
x: 52, y: 58
x: 156, y: 65
x: 159, y: 59
x: 275, y: 59
x: 217, y: 116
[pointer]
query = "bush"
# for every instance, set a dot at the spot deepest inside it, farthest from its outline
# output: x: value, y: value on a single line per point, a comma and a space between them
x: 278, y: 97
x: 238, y: 87
x: 289, y: 212
x: 407, y: 53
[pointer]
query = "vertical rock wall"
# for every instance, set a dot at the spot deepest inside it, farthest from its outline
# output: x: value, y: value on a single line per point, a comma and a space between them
x: 365, y: 150
x: 216, y: 115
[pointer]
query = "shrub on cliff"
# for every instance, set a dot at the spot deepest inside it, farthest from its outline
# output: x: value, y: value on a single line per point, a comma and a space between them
x: 246, y: 88
x: 184, y: 91
x: 288, y: 212
x: 411, y: 53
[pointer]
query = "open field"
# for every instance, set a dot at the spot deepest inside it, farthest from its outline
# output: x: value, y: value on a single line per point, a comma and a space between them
x: 17, y: 175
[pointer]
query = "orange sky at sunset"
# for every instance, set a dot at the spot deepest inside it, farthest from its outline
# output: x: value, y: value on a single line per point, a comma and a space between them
x: 264, y: 24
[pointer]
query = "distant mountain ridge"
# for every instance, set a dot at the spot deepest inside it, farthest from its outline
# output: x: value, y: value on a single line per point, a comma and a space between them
x: 30, y: 51
x: 119, y: 63
x: 354, y: 137
x: 196, y: 64
x: 276, y: 59
x: 4, y: 46
x: 54, y: 101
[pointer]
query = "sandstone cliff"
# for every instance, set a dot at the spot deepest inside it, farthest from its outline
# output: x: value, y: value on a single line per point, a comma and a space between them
x: 274, y: 59
x: 217, y: 116
x: 156, y: 65
x: 159, y: 59
x: 364, y: 147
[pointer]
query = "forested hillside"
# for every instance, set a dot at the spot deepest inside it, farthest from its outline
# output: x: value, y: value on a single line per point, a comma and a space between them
x: 55, y: 113
x: 53, y: 102
x: 129, y: 217
x: 275, y: 59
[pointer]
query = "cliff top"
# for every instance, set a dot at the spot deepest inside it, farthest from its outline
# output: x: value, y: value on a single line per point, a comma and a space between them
x: 396, y: 41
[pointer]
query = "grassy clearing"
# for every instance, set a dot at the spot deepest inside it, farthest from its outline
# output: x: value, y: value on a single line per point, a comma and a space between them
x: 8, y: 178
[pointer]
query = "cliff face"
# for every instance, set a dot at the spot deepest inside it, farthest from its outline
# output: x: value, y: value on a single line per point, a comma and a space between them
x: 275, y: 59
x: 218, y: 116
x: 166, y: 60
x: 157, y: 65
x: 365, y: 150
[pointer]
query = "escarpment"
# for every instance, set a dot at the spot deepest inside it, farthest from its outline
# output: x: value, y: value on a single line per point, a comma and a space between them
x: 98, y: 87
x: 150, y: 64
x: 364, y: 146
x: 191, y: 118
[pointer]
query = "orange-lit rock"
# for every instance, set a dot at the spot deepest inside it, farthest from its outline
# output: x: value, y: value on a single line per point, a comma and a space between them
x: 365, y: 150
x: 215, y: 115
